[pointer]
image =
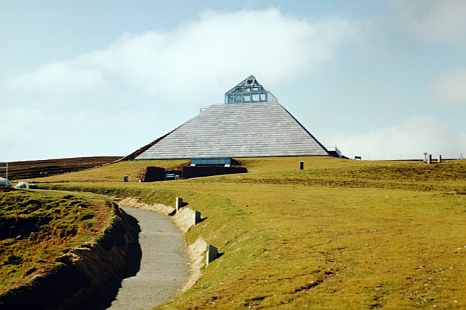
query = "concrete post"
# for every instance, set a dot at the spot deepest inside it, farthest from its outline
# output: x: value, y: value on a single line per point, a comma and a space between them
x: 440, y: 158
x: 196, y: 217
x: 301, y: 165
x: 178, y: 203
x: 212, y: 254
x: 429, y: 159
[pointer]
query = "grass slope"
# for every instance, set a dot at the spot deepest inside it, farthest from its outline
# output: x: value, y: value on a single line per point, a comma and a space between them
x: 37, y: 227
x: 340, y: 234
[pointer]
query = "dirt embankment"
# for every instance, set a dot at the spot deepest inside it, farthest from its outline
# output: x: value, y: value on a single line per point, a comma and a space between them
x: 87, y: 277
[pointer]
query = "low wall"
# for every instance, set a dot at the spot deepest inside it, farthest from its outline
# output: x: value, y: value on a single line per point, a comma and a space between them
x: 152, y: 174
x: 192, y: 172
x: 87, y: 277
x: 184, y: 220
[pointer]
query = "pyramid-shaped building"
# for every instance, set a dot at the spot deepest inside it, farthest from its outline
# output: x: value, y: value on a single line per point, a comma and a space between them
x: 251, y: 123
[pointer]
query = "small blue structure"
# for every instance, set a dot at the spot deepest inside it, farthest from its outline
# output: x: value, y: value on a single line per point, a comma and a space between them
x: 170, y: 176
x: 211, y: 161
x: 249, y: 91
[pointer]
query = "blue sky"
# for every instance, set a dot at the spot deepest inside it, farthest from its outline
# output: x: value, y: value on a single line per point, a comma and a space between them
x: 379, y: 79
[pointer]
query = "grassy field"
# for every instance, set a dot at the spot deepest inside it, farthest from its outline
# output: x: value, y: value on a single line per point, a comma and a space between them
x: 340, y: 234
x: 37, y: 227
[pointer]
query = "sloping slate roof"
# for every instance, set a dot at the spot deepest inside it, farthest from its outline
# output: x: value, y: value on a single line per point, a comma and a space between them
x: 237, y: 130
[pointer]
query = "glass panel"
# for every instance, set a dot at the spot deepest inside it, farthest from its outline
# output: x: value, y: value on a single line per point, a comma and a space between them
x: 249, y: 90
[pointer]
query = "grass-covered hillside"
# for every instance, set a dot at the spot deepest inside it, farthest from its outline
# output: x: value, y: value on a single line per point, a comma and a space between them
x: 41, y: 168
x: 340, y: 234
x: 37, y: 227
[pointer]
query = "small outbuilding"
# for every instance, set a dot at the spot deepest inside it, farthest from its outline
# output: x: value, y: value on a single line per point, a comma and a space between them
x: 5, y: 182
x: 21, y: 185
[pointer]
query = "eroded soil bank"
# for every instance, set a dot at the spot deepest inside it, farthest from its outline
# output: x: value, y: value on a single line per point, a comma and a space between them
x: 87, y: 277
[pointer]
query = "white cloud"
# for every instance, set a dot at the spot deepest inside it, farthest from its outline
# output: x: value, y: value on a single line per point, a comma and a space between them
x: 406, y: 140
x: 435, y: 20
x: 35, y: 133
x: 68, y: 78
x: 114, y: 99
x: 451, y: 88
x: 213, y: 51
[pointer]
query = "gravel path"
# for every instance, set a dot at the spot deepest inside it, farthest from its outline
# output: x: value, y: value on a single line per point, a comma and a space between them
x: 163, y: 265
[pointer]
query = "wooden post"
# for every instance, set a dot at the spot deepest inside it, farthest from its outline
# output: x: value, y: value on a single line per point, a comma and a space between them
x: 196, y: 217
x: 301, y: 165
x: 212, y: 254
x: 6, y: 170
x: 178, y: 203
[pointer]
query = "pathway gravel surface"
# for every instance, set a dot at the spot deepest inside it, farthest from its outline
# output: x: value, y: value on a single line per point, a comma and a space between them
x: 163, y: 264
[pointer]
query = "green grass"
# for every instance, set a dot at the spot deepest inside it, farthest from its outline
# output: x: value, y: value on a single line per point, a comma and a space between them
x: 36, y: 227
x: 115, y: 172
x: 340, y: 234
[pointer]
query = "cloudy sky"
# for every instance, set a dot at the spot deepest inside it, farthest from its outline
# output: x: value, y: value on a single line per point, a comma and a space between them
x: 379, y: 79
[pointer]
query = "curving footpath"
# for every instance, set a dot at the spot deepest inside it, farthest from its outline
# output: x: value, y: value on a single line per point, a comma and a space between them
x: 163, y: 269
